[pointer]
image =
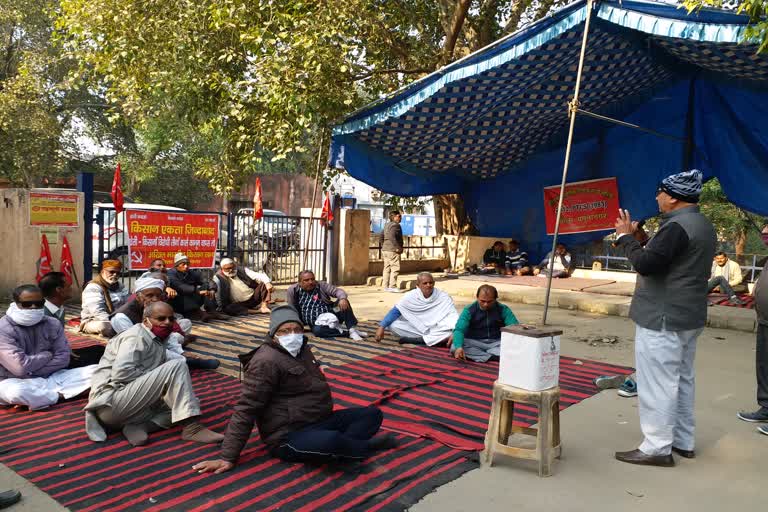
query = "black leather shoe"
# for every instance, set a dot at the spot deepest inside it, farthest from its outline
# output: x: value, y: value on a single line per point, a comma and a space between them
x: 638, y: 457
x: 688, y: 454
x: 8, y: 498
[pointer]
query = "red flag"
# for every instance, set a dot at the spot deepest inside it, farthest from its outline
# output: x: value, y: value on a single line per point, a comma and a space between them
x: 258, y: 210
x: 67, y: 264
x: 117, y: 190
x: 327, y: 214
x: 44, y: 263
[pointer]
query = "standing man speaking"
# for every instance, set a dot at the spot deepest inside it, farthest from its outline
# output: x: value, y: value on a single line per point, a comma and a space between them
x: 669, y: 308
x: 391, y: 249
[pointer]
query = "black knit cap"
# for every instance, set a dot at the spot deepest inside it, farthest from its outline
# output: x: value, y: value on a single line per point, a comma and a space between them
x: 281, y: 315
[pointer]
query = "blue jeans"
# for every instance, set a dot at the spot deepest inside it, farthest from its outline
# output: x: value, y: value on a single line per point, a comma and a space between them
x: 722, y: 283
x: 343, y: 435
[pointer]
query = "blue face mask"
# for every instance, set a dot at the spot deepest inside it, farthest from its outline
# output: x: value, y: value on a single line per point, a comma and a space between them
x: 291, y: 342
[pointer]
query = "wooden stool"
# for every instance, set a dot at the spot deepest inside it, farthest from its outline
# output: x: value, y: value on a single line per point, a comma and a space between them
x: 500, y: 425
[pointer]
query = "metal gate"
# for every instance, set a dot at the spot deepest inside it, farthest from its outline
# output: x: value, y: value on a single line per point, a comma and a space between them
x: 280, y: 245
x: 276, y: 245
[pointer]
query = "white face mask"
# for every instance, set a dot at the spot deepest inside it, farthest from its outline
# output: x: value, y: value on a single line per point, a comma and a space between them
x: 25, y: 317
x: 291, y: 342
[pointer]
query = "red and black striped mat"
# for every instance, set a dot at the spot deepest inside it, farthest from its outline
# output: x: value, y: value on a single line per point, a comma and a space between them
x: 438, y: 406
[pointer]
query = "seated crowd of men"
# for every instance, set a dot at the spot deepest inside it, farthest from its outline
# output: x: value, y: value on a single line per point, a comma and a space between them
x: 140, y: 382
x: 513, y: 261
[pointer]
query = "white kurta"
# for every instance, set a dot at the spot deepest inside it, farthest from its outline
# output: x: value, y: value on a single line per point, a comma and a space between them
x: 39, y: 393
x: 432, y: 318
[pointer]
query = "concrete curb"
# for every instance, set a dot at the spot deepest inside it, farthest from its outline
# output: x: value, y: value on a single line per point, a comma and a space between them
x: 721, y: 317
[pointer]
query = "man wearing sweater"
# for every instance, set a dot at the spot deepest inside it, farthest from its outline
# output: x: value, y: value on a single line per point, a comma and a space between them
x: 726, y: 276
x: 477, y: 335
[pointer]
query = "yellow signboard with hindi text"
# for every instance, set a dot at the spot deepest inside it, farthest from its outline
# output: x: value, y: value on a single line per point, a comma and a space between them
x: 53, y: 209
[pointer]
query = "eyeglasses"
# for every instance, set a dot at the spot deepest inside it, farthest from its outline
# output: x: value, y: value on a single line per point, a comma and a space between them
x: 112, y: 272
x: 294, y: 330
x: 31, y: 304
x: 163, y: 318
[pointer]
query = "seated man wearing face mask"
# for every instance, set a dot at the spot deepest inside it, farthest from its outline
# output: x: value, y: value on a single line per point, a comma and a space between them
x: 139, y: 390
x: 34, y: 354
x: 101, y: 297
x: 149, y: 290
x: 285, y: 393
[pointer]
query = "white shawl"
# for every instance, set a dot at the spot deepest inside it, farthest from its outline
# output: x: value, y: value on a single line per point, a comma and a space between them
x: 434, y: 315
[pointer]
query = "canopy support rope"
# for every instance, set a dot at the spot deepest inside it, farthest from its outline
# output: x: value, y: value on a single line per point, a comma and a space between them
x: 573, y: 107
x: 630, y: 125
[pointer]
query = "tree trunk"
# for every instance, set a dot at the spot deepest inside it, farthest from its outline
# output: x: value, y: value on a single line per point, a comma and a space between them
x: 740, y: 245
x: 451, y: 217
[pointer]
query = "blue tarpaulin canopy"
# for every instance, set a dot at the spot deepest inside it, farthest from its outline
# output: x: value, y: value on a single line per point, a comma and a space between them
x: 493, y: 126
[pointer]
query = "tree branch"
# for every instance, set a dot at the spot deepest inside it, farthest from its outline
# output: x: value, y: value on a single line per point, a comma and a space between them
x: 375, y: 72
x: 457, y: 23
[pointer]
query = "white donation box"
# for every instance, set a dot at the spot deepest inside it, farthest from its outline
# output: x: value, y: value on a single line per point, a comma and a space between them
x: 530, y: 357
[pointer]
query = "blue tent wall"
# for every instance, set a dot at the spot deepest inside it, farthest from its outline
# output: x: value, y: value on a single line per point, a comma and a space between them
x: 698, y: 85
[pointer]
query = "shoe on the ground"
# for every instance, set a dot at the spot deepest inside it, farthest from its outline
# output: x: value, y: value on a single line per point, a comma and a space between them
x: 638, y: 457
x: 200, y: 434
x: 688, y: 454
x: 9, y: 498
x: 763, y: 429
x: 609, y: 381
x: 734, y: 300
x: 759, y: 416
x: 628, y: 389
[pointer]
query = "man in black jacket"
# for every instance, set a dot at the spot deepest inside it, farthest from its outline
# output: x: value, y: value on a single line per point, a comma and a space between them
x: 391, y: 250
x: 285, y: 393
x: 193, y: 292
x: 761, y: 348
x: 669, y: 308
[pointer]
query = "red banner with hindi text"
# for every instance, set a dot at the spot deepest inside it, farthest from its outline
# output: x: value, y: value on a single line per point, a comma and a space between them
x: 591, y: 205
x: 161, y: 234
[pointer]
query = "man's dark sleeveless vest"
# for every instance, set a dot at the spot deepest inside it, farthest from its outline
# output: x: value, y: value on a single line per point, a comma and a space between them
x: 485, y: 324
x: 677, y: 299
x: 224, y: 288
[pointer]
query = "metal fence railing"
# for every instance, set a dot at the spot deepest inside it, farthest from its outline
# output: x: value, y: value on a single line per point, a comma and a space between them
x: 274, y: 245
x: 279, y: 245
x: 612, y: 259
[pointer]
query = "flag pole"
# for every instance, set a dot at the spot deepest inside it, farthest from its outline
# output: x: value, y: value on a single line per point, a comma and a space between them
x: 573, y: 107
x: 314, y: 198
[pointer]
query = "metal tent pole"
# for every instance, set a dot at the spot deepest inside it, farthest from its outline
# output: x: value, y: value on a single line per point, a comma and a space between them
x: 314, y: 198
x: 572, y: 109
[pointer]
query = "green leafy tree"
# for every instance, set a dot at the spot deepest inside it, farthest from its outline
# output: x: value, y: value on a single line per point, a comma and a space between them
x: 757, y: 10
x: 734, y: 226
x: 269, y: 77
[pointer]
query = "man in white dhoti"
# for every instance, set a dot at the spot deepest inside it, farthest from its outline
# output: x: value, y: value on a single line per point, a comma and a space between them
x: 424, y: 316
x: 669, y: 307
x: 34, y: 354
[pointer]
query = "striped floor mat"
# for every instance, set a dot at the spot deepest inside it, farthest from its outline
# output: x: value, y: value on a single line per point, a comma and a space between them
x: 224, y: 340
x: 438, y: 406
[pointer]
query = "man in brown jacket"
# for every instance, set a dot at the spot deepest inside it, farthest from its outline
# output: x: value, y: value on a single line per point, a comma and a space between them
x: 285, y: 393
